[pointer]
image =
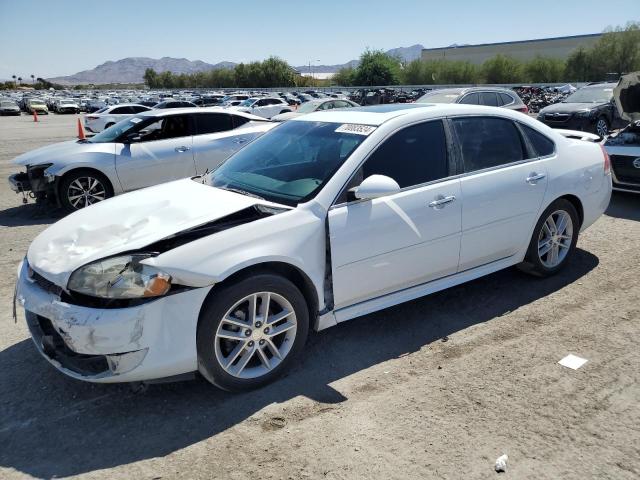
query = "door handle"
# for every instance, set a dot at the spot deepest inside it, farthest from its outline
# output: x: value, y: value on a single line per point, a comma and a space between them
x: 534, y: 177
x: 441, y: 201
x: 182, y: 149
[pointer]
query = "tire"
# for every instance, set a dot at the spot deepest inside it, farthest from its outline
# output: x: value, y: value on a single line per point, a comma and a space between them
x: 110, y: 124
x: 284, y: 111
x: 239, y: 364
x: 563, y: 240
x: 601, y: 127
x: 79, y: 182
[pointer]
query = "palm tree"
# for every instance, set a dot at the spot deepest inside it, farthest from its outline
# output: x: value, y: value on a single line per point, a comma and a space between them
x: 14, y: 80
x: 20, y: 80
x: 33, y: 78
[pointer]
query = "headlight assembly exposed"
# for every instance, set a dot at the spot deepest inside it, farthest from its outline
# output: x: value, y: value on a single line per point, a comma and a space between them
x: 121, y: 277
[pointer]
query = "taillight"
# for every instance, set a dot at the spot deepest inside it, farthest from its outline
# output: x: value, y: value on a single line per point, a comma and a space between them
x: 524, y: 109
x: 607, y: 160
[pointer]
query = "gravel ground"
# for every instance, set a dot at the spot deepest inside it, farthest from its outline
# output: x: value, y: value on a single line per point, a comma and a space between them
x: 435, y: 388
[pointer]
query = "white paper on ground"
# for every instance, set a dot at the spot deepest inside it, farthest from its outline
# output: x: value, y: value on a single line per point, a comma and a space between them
x: 573, y: 362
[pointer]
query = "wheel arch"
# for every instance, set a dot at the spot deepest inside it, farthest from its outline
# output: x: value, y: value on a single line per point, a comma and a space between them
x: 292, y: 273
x: 577, y: 204
x: 63, y: 175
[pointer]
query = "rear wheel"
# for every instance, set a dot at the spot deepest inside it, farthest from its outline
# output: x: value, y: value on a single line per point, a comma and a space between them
x: 81, y: 188
x: 554, y: 239
x: 250, y: 331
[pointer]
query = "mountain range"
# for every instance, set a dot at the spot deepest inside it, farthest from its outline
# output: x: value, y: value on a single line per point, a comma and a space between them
x: 131, y: 69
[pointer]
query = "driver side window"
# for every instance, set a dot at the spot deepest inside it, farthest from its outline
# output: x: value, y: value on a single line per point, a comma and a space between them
x: 412, y: 156
x: 164, y: 128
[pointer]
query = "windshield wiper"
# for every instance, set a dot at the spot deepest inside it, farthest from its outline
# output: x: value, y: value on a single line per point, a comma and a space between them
x: 242, y: 192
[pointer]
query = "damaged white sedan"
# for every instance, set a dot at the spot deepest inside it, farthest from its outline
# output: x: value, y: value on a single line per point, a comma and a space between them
x: 324, y: 218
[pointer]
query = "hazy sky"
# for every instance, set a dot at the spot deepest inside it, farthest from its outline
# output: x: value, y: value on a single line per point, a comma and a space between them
x: 60, y: 37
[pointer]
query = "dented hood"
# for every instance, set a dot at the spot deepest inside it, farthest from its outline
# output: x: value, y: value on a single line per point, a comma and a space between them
x: 627, y: 96
x: 129, y: 222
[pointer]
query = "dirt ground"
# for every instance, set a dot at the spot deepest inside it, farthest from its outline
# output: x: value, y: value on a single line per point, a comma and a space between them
x: 436, y: 388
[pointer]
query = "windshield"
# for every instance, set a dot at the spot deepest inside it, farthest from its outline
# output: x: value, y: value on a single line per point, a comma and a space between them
x: 248, y: 102
x: 446, y: 96
x: 308, y: 107
x: 7, y: 104
x: 288, y: 164
x: 591, y: 95
x: 114, y: 131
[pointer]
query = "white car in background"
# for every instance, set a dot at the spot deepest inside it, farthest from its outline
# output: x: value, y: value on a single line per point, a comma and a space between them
x: 66, y: 105
x: 142, y: 150
x: 315, y: 106
x: 106, y: 117
x: 327, y: 217
x: 265, y: 107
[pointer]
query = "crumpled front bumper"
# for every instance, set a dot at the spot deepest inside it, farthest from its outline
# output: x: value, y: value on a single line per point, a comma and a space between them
x: 149, y: 341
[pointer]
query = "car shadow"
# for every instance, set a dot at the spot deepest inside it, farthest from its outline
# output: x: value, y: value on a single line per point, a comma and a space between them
x: 54, y: 426
x: 624, y: 205
x: 30, y: 214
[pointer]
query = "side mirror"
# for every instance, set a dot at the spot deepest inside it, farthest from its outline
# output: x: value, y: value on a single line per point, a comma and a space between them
x: 375, y: 186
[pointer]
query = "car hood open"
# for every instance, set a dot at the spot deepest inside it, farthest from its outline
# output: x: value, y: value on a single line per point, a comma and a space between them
x: 627, y: 96
x: 130, y: 222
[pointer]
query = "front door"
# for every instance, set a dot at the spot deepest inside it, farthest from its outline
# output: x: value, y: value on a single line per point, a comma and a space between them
x: 411, y: 237
x: 160, y: 153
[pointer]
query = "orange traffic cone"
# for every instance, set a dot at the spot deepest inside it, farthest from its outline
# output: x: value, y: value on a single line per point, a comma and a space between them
x: 35, y: 115
x: 81, y: 134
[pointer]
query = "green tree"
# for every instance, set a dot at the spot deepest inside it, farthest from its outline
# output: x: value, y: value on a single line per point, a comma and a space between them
x: 151, y: 78
x: 502, y: 69
x: 377, y: 68
x: 544, y: 69
x: 344, y: 77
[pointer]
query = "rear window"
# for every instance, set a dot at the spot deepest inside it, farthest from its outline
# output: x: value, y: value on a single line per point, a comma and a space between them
x: 446, y: 96
x: 506, y: 98
x: 488, y: 142
x: 542, y: 145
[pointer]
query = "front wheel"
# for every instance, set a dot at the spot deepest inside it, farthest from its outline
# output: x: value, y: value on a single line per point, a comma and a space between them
x: 554, y: 239
x: 250, y: 332
x: 81, y: 188
x: 602, y: 127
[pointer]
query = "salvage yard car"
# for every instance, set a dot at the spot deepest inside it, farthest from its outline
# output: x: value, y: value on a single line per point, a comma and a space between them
x: 488, y: 96
x: 326, y: 217
x: 589, y: 109
x: 108, y: 116
x: 145, y: 149
x: 9, y: 107
x: 314, y: 106
x: 624, y: 146
x: 265, y: 107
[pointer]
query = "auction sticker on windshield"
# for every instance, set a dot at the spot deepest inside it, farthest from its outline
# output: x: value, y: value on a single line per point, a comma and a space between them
x: 355, y: 128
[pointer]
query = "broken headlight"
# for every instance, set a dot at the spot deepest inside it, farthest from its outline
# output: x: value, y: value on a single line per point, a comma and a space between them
x: 120, y: 277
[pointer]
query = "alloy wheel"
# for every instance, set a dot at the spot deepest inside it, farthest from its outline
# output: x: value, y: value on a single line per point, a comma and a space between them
x: 255, y: 335
x: 85, y: 191
x: 602, y: 128
x: 554, y: 240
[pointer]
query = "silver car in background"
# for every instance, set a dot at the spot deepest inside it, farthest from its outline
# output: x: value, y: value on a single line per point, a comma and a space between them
x: 487, y: 96
x: 143, y: 150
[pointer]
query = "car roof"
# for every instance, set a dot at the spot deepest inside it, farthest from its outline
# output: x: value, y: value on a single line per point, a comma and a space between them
x: 379, y: 114
x: 176, y: 111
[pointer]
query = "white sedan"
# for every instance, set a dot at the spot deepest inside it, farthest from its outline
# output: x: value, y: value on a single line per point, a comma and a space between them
x: 106, y: 117
x: 325, y: 218
x: 142, y: 150
x: 265, y: 107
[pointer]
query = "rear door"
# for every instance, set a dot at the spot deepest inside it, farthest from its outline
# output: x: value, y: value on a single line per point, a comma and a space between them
x: 411, y: 237
x: 161, y: 152
x: 503, y: 185
x: 216, y: 138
